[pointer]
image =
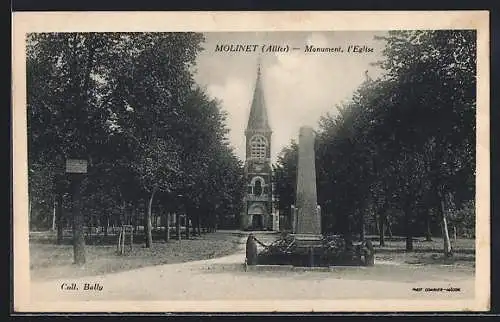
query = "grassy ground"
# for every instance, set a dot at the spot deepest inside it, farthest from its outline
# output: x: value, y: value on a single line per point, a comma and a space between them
x: 427, y: 252
x: 49, y: 261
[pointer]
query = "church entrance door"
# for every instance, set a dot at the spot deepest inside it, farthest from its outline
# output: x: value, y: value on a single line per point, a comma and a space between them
x: 257, y: 211
x: 257, y: 222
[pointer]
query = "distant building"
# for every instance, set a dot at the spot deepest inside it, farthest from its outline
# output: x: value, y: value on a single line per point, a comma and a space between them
x: 258, y: 211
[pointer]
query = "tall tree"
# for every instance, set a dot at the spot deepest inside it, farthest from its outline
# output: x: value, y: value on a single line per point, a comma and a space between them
x: 404, y: 140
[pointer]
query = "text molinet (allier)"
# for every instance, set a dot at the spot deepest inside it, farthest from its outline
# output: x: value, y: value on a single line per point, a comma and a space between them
x: 250, y: 48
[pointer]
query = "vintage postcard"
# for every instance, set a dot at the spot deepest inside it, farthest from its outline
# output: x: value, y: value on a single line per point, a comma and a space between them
x: 251, y: 161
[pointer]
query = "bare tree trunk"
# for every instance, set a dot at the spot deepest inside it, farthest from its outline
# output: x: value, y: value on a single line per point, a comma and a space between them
x: 167, y: 227
x: 408, y: 229
x: 212, y: 222
x: 381, y: 225
x: 53, y: 228
x: 428, y: 233
x: 362, y: 224
x: 59, y: 219
x: 89, y: 225
x: 123, y: 211
x: 81, y: 91
x: 348, y: 232
x: 409, y: 241
x: 78, y: 221
x: 448, y: 252
x: 135, y: 220
x: 148, y: 225
x: 199, y: 223
x: 178, y: 225
x: 187, y: 226
x: 106, y: 226
x: 194, y: 224
x: 389, y: 229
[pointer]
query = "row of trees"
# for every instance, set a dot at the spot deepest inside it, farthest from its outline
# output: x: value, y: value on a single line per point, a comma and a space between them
x: 128, y: 104
x: 401, y: 153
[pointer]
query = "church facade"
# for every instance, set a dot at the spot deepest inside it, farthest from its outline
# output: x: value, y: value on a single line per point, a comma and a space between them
x: 258, y: 211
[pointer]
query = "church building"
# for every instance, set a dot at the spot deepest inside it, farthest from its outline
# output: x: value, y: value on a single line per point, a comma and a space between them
x: 258, y: 211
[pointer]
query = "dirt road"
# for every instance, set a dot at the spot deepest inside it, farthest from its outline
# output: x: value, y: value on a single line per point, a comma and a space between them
x: 226, y: 279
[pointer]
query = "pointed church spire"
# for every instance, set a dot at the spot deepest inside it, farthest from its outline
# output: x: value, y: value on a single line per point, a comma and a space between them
x: 258, y: 114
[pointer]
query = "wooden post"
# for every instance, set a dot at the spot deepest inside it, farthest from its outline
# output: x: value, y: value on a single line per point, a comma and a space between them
x: 76, y: 168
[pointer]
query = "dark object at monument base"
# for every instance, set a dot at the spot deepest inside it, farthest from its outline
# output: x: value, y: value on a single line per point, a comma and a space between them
x: 324, y: 252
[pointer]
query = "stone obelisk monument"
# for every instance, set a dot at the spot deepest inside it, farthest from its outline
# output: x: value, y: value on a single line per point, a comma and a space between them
x: 306, y: 213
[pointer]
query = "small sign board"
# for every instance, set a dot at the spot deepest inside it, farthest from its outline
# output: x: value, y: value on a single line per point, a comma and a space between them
x: 76, y: 166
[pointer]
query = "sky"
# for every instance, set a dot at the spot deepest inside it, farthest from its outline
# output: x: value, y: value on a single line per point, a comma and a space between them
x: 299, y: 86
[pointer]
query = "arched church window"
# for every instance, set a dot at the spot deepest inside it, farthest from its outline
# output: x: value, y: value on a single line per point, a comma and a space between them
x: 258, y: 146
x: 258, y: 188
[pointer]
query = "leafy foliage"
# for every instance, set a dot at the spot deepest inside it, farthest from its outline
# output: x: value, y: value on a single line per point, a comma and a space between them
x: 127, y: 102
x: 402, y: 142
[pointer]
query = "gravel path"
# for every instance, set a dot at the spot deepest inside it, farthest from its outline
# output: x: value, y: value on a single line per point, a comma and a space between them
x: 226, y: 279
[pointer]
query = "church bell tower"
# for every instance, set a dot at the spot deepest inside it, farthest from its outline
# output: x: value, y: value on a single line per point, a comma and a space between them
x: 258, y: 212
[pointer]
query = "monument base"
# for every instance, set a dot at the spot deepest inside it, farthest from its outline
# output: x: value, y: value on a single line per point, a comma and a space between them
x: 308, y: 250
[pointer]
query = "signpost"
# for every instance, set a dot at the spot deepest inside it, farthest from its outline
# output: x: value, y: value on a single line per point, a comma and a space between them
x: 76, y: 168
